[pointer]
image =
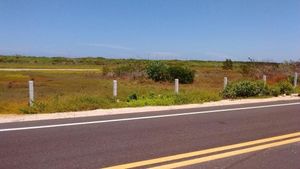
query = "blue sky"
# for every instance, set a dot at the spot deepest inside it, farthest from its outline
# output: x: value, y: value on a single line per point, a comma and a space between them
x: 266, y: 30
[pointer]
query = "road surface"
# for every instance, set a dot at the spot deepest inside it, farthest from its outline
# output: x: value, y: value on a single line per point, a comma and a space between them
x: 264, y: 135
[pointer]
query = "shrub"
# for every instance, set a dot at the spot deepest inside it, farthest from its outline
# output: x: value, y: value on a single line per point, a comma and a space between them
x: 184, y: 74
x: 297, y: 90
x: 243, y: 89
x: 105, y: 70
x: 37, y: 107
x: 157, y: 71
x: 292, y: 78
x: 245, y: 69
x: 132, y: 97
x: 123, y: 70
x: 285, y: 87
x: 274, y: 91
x: 131, y: 70
x: 227, y: 65
x: 251, y: 88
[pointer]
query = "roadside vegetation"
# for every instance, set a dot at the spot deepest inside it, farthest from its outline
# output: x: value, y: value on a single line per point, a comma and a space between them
x: 246, y: 88
x: 140, y: 82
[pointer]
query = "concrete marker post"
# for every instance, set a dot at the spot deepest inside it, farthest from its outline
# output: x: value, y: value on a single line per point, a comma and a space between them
x: 295, y: 79
x: 176, y: 86
x: 265, y: 79
x: 225, y: 82
x: 31, y: 92
x: 115, y: 88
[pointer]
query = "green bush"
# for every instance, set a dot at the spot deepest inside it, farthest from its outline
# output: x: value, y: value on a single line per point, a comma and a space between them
x: 157, y: 71
x: 184, y: 74
x: 227, y: 65
x: 244, y: 89
x: 285, y: 87
x: 274, y: 91
x: 252, y: 88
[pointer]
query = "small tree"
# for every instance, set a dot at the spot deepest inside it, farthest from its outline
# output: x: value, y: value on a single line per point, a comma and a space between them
x: 157, y: 71
x: 184, y: 74
x: 228, y: 64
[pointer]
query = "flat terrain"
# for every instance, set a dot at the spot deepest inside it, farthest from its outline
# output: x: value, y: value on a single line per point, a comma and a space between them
x: 58, y: 91
x: 75, y: 84
x: 97, y: 142
x: 73, y: 90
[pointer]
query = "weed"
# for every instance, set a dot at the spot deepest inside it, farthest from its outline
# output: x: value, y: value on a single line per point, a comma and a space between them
x: 37, y: 107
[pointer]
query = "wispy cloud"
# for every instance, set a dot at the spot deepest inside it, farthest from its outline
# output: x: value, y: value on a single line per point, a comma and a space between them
x: 101, y: 45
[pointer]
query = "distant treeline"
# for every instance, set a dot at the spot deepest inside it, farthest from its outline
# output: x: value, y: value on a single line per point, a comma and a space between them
x: 51, y: 60
x: 103, y: 61
x: 35, y: 60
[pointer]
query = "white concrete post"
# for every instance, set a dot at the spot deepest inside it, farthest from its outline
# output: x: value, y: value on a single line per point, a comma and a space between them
x: 31, y: 93
x: 115, y: 88
x: 225, y: 82
x: 265, y: 79
x: 295, y: 79
x: 176, y: 86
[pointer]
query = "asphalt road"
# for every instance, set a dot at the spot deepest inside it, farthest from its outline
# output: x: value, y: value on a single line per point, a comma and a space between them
x: 98, y: 142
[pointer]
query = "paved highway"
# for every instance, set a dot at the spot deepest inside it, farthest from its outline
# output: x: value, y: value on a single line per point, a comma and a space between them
x: 265, y: 135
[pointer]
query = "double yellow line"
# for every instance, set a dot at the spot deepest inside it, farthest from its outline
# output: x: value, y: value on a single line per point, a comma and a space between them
x: 251, y: 146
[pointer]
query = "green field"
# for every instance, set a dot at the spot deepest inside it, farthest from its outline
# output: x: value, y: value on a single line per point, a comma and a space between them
x: 61, y: 91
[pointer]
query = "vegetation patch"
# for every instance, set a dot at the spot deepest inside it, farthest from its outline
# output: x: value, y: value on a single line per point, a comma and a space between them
x: 159, y: 71
x: 140, y: 82
x: 246, y: 88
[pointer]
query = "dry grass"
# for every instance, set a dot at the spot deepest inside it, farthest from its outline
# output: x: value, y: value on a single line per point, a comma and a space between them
x: 60, y: 91
x: 68, y: 91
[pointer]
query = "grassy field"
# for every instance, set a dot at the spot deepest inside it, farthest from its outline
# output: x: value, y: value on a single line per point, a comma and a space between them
x: 60, y: 91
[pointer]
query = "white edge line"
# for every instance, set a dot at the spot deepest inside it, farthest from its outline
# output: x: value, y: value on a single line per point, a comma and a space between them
x: 145, y: 117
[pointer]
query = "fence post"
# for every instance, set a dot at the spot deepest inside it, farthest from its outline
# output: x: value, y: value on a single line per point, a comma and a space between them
x: 265, y: 79
x: 225, y: 82
x: 115, y: 88
x: 31, y: 93
x: 295, y: 79
x: 176, y: 86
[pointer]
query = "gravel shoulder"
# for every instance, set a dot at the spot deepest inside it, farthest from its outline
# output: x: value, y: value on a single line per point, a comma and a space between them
x: 115, y: 111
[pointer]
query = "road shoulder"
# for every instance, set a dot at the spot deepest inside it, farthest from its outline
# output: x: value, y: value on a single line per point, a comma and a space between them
x: 117, y: 111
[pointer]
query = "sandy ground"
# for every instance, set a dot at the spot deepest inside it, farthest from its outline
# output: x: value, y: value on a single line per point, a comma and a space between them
x: 103, y: 112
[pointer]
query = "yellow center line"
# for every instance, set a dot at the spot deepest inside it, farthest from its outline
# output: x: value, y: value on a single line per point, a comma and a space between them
x: 227, y: 154
x: 201, y: 152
